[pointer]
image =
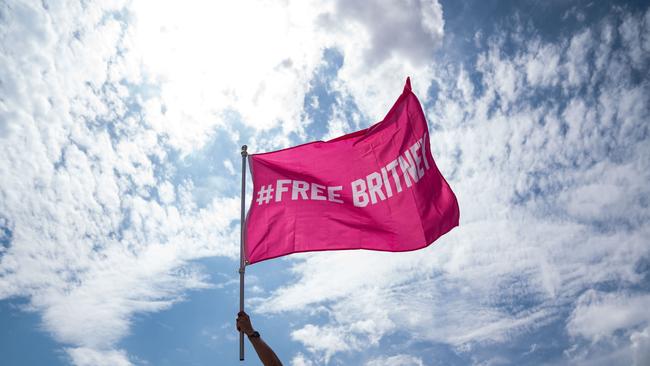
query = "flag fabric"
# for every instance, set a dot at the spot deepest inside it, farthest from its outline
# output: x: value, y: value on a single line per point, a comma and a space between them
x: 376, y: 189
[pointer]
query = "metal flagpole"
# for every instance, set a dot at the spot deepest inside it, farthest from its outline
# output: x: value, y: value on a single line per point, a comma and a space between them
x: 242, y: 261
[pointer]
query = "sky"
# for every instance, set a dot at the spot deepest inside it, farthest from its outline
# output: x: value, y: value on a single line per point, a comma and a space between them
x: 121, y: 124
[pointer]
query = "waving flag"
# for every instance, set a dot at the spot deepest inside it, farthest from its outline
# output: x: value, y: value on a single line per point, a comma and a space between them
x: 376, y: 189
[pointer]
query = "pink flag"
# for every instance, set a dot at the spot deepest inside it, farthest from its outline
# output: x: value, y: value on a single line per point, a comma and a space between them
x: 376, y: 189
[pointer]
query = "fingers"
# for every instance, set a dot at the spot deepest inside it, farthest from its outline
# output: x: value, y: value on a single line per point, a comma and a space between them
x: 242, y: 317
x: 242, y: 321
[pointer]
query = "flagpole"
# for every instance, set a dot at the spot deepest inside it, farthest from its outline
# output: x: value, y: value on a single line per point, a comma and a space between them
x: 242, y: 261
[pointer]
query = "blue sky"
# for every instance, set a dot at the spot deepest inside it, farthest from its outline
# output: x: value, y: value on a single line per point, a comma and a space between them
x: 120, y: 129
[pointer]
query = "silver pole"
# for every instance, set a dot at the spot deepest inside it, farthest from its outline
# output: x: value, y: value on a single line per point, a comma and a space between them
x: 242, y: 261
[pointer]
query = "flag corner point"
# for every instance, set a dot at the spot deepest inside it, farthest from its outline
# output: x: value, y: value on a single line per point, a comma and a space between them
x: 407, y: 86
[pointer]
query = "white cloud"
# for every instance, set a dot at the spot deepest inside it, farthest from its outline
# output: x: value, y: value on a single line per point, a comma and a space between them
x: 300, y: 360
x: 641, y: 347
x: 323, y: 339
x: 577, y: 67
x: 541, y: 68
x: 92, y: 357
x: 208, y: 58
x: 397, y: 360
x: 383, y: 42
x: 198, y: 83
x: 599, y: 315
x: 411, y: 28
x: 630, y: 348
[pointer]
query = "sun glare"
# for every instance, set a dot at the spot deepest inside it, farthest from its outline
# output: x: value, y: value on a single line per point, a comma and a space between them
x: 208, y: 57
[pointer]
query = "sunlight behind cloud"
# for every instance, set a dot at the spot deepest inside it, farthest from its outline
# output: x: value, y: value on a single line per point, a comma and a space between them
x: 257, y: 59
x: 251, y: 57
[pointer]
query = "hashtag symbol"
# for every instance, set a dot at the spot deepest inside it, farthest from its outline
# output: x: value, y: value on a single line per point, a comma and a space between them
x: 264, y: 194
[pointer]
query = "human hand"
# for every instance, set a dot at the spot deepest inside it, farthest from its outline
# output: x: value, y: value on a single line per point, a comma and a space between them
x: 244, y: 323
